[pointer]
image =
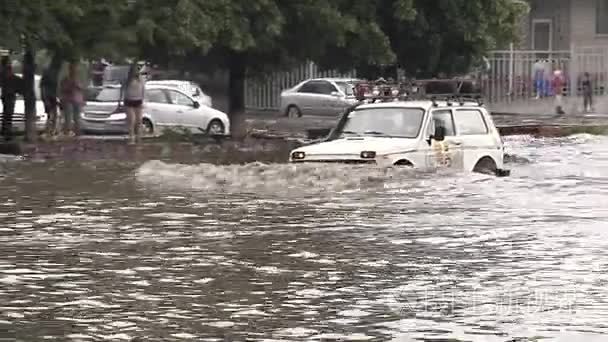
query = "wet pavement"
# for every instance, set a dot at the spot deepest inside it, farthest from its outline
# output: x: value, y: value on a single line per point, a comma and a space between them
x: 117, y: 251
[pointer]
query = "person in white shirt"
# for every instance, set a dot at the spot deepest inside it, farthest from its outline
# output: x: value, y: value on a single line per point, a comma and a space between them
x: 134, y: 90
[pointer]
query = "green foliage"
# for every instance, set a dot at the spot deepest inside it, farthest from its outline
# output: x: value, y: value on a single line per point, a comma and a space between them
x: 255, y: 37
x: 447, y: 36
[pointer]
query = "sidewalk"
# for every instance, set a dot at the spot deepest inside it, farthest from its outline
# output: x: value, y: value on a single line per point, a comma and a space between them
x: 546, y: 106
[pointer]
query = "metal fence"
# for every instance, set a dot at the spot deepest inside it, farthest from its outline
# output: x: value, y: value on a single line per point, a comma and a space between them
x: 510, y: 77
x: 265, y: 94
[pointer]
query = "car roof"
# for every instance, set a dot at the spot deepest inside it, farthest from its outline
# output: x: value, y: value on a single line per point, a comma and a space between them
x: 335, y: 79
x: 425, y: 104
x: 161, y: 86
x: 176, y: 82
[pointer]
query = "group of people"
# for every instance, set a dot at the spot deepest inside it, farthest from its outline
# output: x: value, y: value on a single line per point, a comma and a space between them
x: 551, y: 82
x: 68, y: 97
x: 70, y: 101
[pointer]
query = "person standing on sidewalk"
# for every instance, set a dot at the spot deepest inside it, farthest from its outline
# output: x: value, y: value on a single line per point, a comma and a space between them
x: 72, y: 101
x: 134, y: 90
x: 11, y: 85
x: 48, y: 91
x: 558, y: 88
x: 587, y: 93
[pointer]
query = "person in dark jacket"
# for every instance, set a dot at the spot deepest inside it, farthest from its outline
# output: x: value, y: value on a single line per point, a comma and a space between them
x: 49, y: 93
x: 11, y: 85
x: 587, y: 93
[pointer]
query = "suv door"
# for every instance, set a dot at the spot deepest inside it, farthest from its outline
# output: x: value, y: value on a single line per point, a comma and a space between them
x: 474, y: 133
x: 449, y: 152
x: 159, y: 108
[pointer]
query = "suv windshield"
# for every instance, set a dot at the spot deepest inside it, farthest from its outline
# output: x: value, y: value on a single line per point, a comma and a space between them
x: 347, y: 88
x: 387, y: 122
x: 104, y: 95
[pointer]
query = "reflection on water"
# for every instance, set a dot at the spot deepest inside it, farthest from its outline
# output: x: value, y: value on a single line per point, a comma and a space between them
x: 158, y: 252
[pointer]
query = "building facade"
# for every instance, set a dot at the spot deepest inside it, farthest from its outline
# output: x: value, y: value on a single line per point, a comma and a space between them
x: 560, y: 25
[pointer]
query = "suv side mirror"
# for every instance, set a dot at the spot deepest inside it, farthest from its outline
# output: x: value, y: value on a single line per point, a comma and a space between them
x: 335, y: 94
x: 196, y: 104
x: 439, y: 133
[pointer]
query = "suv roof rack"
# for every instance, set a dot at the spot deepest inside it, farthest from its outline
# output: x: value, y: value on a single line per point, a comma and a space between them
x: 450, y: 90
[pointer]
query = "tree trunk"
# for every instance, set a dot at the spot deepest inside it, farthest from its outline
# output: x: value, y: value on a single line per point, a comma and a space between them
x: 236, y: 96
x: 29, y: 94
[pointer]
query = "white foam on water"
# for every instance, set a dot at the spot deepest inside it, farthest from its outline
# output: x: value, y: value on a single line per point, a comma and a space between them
x: 296, y: 332
x: 203, y: 281
x: 222, y: 324
x: 20, y: 271
x: 249, y: 313
x: 354, y: 313
x: 270, y: 270
x: 89, y: 304
x: 115, y: 337
x: 121, y: 324
x: 80, y: 337
x: 184, y: 336
x: 304, y: 255
x: 143, y: 283
x: 10, y: 279
x: 268, y: 178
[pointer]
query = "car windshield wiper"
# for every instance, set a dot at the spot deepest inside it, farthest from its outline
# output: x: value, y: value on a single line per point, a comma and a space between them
x: 374, y: 133
x: 350, y: 132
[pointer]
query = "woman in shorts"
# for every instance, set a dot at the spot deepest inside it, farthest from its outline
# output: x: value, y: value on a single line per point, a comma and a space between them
x: 134, y: 90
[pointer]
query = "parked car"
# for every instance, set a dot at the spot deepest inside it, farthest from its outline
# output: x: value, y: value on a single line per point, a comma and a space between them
x: 187, y: 87
x: 424, y: 134
x: 164, y: 107
x: 319, y: 96
x: 19, y: 115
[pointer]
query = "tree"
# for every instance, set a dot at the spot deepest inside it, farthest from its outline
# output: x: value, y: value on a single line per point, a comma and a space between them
x: 256, y: 37
x: 447, y: 36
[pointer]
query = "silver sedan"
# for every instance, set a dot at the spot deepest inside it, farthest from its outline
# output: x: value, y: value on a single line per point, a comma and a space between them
x: 319, y: 96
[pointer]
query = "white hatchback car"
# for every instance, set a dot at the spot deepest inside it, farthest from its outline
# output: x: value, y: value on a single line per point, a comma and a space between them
x: 423, y: 134
x: 164, y: 107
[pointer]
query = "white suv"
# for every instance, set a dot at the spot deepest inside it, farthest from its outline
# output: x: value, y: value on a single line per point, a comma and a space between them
x: 425, y: 134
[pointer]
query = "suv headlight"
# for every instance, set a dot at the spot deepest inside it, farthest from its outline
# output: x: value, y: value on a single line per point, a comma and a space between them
x: 368, y: 155
x: 298, y: 155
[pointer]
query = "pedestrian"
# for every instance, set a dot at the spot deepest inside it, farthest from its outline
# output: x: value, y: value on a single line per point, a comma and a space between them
x: 538, y: 70
x: 587, y: 93
x: 48, y: 92
x: 11, y: 85
x: 558, y: 89
x: 72, y: 101
x: 134, y: 89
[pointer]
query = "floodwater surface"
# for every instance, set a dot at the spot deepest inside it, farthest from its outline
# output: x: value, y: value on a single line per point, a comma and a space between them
x: 165, y: 252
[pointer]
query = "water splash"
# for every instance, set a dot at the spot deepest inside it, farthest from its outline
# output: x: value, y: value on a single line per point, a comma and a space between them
x: 273, y: 178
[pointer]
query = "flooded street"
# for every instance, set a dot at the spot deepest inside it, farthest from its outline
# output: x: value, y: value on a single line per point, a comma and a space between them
x: 162, y: 252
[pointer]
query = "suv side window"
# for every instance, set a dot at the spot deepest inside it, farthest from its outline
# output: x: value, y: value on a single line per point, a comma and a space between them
x: 443, y: 117
x: 470, y: 122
